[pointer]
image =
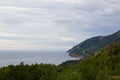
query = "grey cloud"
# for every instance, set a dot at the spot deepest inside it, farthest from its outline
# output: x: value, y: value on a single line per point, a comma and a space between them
x: 58, y: 23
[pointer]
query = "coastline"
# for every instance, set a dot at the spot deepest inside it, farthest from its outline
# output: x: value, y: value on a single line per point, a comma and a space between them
x: 76, y: 56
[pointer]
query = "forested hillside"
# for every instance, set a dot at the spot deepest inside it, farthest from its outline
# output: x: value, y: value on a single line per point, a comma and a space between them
x: 92, y: 45
x: 104, y: 65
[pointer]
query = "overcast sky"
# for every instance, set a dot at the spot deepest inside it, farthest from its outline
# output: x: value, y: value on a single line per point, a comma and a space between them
x: 55, y: 24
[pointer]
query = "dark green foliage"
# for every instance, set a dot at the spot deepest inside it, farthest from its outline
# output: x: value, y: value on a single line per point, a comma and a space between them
x: 70, y: 63
x: 94, y: 44
x: 104, y: 65
x: 28, y: 72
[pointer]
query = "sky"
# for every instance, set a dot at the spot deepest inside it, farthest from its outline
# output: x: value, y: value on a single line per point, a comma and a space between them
x: 55, y: 24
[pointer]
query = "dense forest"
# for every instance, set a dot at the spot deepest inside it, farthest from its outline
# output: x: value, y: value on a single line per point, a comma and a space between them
x: 104, y: 65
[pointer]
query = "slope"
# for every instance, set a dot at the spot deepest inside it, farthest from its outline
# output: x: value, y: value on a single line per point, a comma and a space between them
x: 92, y: 45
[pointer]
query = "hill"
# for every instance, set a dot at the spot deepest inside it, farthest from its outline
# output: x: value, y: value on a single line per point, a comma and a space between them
x: 92, y: 45
x: 104, y: 65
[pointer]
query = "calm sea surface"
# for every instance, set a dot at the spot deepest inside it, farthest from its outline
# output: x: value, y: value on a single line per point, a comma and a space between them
x: 32, y: 57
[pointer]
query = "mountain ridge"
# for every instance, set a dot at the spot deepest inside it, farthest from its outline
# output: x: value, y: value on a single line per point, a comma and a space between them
x: 92, y: 45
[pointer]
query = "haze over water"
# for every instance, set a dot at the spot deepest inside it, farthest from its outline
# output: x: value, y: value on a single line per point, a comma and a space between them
x: 32, y: 57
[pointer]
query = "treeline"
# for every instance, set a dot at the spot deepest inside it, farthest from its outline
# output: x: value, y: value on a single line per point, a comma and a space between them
x: 104, y: 65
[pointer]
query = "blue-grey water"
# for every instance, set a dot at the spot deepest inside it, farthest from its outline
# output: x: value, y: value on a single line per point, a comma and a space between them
x: 32, y: 57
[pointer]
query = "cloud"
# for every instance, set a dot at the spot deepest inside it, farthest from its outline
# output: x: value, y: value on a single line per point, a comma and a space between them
x: 55, y: 24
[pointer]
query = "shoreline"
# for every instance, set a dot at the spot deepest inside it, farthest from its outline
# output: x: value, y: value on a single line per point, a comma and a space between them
x: 76, y: 56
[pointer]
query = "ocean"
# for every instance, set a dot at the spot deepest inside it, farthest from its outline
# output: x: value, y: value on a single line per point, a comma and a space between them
x: 14, y: 57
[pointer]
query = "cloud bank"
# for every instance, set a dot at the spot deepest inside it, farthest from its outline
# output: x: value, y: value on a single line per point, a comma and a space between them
x: 55, y: 24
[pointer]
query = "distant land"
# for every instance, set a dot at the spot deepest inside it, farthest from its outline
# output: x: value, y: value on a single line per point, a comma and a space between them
x: 92, y: 45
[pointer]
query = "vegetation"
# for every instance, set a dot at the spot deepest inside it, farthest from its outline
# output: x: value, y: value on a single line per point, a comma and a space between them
x: 70, y: 63
x: 95, y: 44
x: 104, y: 65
